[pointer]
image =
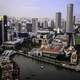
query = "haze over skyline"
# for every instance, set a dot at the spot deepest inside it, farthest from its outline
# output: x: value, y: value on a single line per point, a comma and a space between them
x: 37, y: 8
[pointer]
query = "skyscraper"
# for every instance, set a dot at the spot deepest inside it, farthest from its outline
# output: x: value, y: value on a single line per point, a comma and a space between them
x: 45, y: 23
x: 52, y: 24
x: 34, y: 25
x: 58, y: 20
x: 19, y: 27
x: 69, y: 23
x: 3, y: 28
x: 63, y: 26
x: 0, y: 32
x: 29, y: 27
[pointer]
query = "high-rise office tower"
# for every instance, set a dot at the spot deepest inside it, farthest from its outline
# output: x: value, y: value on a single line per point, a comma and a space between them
x: 34, y: 25
x: 3, y: 29
x: 52, y: 24
x: 69, y: 24
x: 40, y: 24
x: 58, y: 20
x: 19, y: 27
x: 23, y: 27
x: 45, y: 23
x: 63, y: 26
x: 29, y: 27
x: 0, y: 32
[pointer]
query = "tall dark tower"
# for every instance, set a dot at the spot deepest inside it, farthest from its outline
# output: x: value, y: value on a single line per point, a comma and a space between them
x: 3, y: 29
x: 58, y: 20
x: 52, y: 24
x: 0, y: 32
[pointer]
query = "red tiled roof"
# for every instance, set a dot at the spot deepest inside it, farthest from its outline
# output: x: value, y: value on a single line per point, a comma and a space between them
x: 52, y: 50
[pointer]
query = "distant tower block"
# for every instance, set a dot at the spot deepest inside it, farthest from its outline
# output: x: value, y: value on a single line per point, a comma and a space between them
x: 45, y: 24
x: 58, y: 20
x: 52, y: 24
x: 69, y: 24
x: 63, y: 25
x: 34, y: 25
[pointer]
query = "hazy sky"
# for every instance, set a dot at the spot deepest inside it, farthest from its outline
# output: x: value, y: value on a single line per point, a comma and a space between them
x: 37, y: 8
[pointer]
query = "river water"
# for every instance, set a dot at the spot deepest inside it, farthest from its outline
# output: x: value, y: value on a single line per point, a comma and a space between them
x: 31, y: 70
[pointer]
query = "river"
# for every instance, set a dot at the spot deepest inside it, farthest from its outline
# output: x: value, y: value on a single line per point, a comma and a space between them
x: 31, y: 70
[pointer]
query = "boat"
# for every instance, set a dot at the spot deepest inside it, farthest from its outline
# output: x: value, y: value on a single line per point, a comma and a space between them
x: 41, y: 67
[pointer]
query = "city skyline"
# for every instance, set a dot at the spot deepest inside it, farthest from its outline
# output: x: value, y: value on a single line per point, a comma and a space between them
x: 37, y: 8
